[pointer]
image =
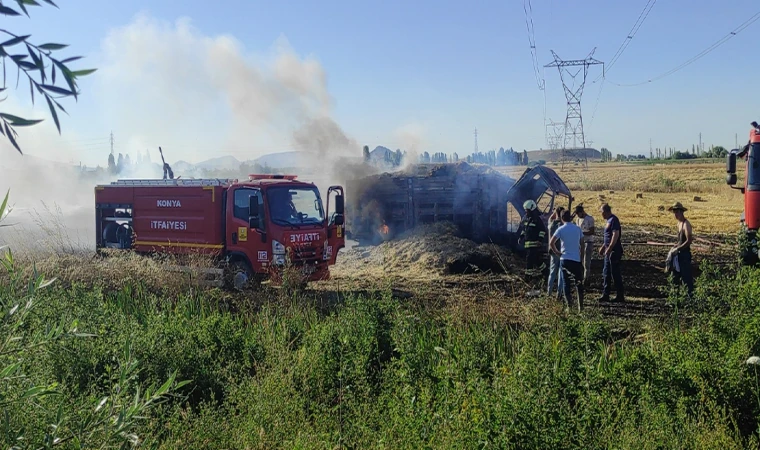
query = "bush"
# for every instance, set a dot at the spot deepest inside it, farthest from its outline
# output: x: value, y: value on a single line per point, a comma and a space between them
x: 368, y: 371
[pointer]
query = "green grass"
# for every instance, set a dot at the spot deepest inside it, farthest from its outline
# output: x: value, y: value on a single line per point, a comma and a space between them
x: 378, y: 372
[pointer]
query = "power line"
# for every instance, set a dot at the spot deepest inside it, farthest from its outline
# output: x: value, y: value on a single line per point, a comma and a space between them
x: 635, y: 29
x: 528, y: 8
x: 596, y: 105
x: 701, y: 54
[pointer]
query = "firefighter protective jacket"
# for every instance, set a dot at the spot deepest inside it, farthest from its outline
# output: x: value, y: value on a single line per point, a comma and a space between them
x: 533, y: 230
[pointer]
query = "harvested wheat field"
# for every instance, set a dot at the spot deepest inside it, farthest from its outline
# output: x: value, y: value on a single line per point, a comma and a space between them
x: 641, y: 193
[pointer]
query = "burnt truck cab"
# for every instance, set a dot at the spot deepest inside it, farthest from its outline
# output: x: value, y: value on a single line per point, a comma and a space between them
x: 750, y: 218
x: 542, y: 185
x: 254, y: 227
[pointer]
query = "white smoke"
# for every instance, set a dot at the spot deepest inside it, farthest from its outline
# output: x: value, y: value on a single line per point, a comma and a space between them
x: 412, y: 138
x: 197, y: 96
x: 204, y: 96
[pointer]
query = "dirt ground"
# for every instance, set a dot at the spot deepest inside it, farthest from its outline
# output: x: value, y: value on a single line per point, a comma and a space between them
x: 499, y: 288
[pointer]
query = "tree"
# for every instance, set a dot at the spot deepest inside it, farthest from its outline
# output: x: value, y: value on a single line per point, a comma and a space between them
x: 111, y: 164
x: 30, y: 60
x: 525, y: 158
x: 146, y: 159
x: 718, y: 152
x: 366, y: 153
x: 120, y: 163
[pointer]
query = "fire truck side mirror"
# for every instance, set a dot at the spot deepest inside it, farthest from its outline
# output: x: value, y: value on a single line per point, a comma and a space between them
x: 339, y: 219
x: 731, y: 169
x: 339, y: 206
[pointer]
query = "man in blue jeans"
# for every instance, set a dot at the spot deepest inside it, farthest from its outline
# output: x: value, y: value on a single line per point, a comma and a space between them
x: 612, y: 251
x: 571, y: 236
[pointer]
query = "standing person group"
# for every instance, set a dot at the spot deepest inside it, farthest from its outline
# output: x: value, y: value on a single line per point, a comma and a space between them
x: 571, y: 266
x: 573, y: 263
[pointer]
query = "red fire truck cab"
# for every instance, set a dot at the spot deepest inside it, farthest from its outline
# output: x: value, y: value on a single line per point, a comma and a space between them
x: 254, y: 227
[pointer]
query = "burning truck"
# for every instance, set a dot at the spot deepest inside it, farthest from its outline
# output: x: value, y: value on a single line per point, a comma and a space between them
x: 486, y: 205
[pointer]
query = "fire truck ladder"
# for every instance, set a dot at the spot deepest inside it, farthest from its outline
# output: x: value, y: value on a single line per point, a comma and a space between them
x: 176, y: 182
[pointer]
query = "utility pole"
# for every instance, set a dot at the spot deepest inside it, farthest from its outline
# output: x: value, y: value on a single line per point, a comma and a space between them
x: 650, y: 148
x: 700, y: 142
x: 112, y: 142
x: 476, y: 140
x: 736, y: 140
x: 573, y: 92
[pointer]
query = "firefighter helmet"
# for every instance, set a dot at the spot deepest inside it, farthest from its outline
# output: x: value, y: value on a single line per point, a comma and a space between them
x: 529, y: 205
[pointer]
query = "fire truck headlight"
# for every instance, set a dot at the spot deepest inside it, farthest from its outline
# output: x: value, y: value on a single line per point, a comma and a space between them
x: 278, y: 249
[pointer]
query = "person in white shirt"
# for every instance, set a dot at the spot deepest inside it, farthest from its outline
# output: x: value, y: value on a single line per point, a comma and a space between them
x: 571, y: 237
x: 586, y: 224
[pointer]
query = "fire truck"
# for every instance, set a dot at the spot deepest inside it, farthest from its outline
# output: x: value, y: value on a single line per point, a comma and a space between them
x: 750, y: 218
x: 252, y: 228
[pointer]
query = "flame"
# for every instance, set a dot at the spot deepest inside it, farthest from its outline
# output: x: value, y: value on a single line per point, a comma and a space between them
x: 384, y: 229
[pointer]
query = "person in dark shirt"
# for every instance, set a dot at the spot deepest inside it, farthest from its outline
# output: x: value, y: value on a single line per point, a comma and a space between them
x: 612, y: 251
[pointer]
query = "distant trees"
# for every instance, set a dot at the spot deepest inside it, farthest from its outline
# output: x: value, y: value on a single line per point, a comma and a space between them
x: 111, y: 164
x: 716, y: 152
x: 683, y: 155
x: 695, y: 152
x: 606, y: 155
x: 366, y: 153
x: 499, y: 157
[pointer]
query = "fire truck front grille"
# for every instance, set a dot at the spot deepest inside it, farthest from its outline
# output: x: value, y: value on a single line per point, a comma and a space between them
x: 305, y: 255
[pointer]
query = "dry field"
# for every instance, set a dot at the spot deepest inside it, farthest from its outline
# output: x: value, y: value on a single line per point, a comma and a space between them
x: 714, y: 208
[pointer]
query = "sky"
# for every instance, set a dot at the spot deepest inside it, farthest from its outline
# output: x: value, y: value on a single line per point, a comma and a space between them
x: 248, y: 77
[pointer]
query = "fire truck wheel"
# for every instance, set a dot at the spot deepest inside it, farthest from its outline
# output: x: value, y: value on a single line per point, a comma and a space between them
x: 240, y: 276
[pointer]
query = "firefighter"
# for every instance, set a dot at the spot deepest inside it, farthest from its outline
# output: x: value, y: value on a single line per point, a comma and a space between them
x: 533, y: 237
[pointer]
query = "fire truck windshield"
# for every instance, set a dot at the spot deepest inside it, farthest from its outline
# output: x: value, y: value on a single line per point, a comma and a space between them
x: 295, y: 206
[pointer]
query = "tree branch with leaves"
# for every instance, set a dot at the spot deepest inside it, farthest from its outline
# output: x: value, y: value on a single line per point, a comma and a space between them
x: 46, y: 74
